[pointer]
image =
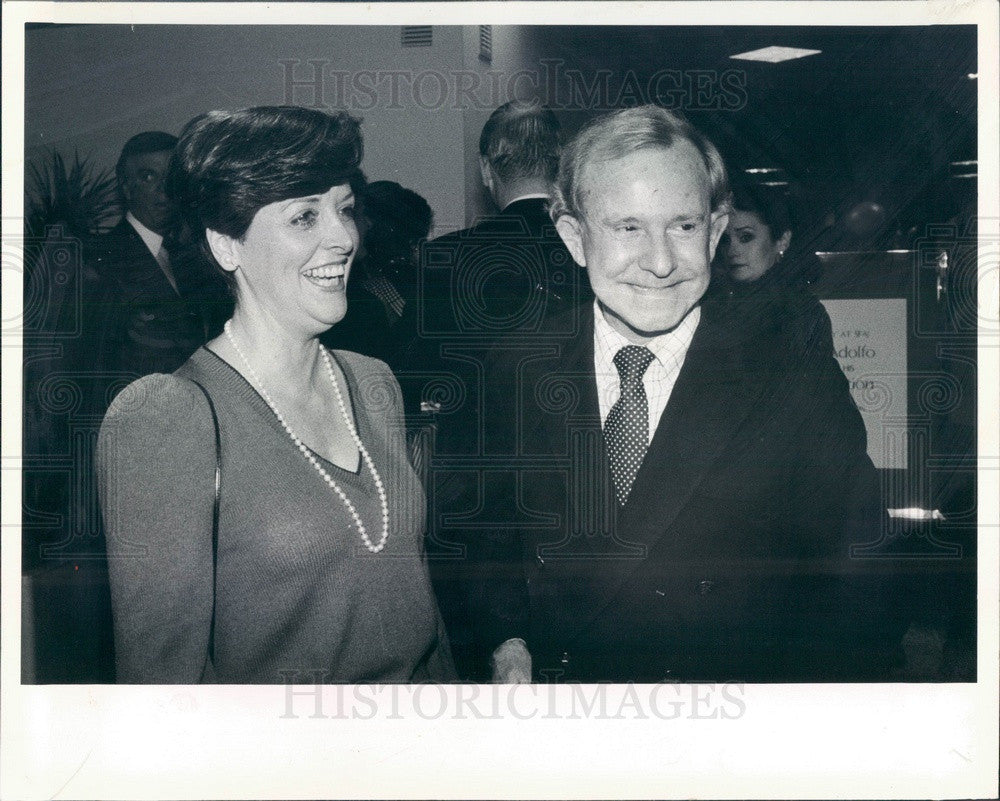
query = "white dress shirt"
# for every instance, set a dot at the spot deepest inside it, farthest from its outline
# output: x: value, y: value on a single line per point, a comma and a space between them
x: 669, y: 351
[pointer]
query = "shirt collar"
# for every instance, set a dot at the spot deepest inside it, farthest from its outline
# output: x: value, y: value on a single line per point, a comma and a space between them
x: 671, y: 345
x: 533, y: 196
x: 152, y: 239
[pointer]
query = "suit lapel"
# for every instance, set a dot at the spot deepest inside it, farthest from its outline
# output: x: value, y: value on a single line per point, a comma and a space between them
x: 572, y: 382
x: 564, y: 425
x: 710, y: 400
x: 143, y: 268
x: 708, y: 404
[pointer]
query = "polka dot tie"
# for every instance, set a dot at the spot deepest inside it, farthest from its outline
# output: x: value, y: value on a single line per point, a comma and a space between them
x: 626, y: 430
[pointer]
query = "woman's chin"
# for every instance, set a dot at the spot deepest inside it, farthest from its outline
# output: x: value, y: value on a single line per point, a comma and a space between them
x: 744, y: 273
x: 327, y: 317
x: 330, y: 322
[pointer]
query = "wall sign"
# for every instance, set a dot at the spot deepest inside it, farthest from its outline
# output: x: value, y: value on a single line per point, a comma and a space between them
x: 869, y: 341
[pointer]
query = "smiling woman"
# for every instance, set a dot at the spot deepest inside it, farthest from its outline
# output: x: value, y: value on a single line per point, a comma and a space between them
x: 294, y: 259
x: 263, y: 523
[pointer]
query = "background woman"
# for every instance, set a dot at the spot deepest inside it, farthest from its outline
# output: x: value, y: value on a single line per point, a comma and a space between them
x: 758, y: 234
x: 306, y: 563
x: 751, y: 268
x: 382, y: 316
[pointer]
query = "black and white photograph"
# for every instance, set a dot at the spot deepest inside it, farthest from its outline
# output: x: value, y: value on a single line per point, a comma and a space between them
x: 537, y: 400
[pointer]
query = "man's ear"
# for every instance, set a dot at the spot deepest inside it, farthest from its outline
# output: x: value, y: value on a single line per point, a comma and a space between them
x: 572, y: 236
x: 486, y: 174
x: 719, y: 221
x: 224, y: 248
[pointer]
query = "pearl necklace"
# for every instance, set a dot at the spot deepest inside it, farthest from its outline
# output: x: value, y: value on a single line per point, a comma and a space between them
x: 304, y: 450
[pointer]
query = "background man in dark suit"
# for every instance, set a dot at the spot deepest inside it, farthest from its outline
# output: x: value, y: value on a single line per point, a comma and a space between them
x: 507, y: 271
x: 138, y: 318
x: 681, y: 492
x: 143, y: 311
x: 505, y: 275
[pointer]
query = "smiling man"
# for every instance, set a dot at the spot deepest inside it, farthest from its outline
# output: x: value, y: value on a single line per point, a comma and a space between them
x: 646, y: 241
x: 682, y: 491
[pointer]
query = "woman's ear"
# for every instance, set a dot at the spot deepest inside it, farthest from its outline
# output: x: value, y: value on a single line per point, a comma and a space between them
x: 784, y: 241
x: 572, y: 236
x: 224, y: 248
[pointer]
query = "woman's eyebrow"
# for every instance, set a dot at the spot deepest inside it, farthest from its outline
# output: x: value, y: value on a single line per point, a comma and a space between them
x: 308, y: 199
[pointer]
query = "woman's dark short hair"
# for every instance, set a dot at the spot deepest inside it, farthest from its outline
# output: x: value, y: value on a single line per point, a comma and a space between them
x: 766, y: 203
x: 230, y: 164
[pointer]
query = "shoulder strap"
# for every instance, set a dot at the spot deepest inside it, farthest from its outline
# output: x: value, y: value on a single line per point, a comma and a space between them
x: 215, y: 511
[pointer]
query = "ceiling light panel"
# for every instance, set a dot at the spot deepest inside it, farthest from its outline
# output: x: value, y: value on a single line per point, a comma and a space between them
x: 774, y: 54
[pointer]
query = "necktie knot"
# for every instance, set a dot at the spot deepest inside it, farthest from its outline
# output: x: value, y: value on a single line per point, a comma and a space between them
x: 632, y: 361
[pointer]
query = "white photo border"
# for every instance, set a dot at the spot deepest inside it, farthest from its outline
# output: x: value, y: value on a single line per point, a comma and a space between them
x: 791, y: 741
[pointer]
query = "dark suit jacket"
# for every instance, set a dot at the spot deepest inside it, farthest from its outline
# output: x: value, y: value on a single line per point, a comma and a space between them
x: 731, y: 559
x: 138, y: 323
x: 506, y: 275
x: 507, y: 272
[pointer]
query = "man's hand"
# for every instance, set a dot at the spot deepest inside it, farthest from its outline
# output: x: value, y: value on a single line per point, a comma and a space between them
x: 512, y: 663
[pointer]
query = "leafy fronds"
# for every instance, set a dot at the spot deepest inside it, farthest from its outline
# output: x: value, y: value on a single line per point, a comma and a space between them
x: 75, y: 195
